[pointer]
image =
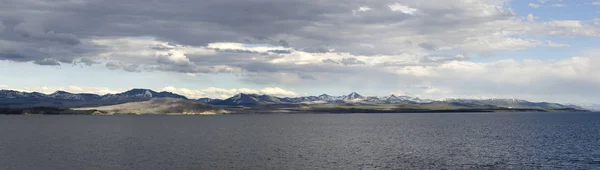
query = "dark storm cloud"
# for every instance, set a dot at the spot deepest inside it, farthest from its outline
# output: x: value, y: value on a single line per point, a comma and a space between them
x: 330, y: 61
x: 280, y: 51
x: 2, y: 27
x: 352, y: 61
x: 66, y: 30
x: 345, y: 61
x: 119, y: 66
x: 313, y: 26
x: 34, y: 32
x: 13, y: 57
x: 47, y: 62
x: 113, y: 66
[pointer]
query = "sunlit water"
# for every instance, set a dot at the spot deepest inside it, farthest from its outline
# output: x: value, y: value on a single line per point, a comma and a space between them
x: 306, y: 141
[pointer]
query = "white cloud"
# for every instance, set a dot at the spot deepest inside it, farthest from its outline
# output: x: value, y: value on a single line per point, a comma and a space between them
x: 558, y: 5
x: 569, y: 28
x: 556, y: 45
x: 399, y: 93
x: 532, y: 5
x: 261, y: 48
x: 570, y: 79
x: 302, y: 58
x: 403, y: 8
x: 176, y: 57
x: 531, y: 18
x: 144, y: 49
x: 496, y: 42
x: 364, y: 8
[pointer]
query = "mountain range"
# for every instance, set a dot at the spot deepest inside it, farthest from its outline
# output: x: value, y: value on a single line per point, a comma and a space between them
x: 355, y: 98
x: 10, y: 98
x: 243, y: 99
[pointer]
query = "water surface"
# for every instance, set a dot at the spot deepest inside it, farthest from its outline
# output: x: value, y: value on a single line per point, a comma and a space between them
x: 303, y: 141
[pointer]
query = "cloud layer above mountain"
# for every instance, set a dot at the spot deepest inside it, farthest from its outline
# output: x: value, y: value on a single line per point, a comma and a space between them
x: 426, y: 47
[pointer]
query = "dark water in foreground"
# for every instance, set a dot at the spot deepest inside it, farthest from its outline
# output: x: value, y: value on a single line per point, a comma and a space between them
x: 309, y: 141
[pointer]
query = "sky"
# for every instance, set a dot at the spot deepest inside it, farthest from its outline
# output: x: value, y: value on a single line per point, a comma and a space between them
x: 538, y: 50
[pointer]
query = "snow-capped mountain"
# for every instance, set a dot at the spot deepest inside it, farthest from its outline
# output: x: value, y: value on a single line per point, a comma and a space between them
x: 208, y: 100
x: 253, y: 99
x: 10, y: 98
x: 353, y: 96
x: 142, y: 94
x: 243, y: 99
x: 62, y: 95
x: 11, y: 94
x: 326, y: 97
x: 509, y: 103
x: 393, y: 99
x: 594, y: 107
x: 66, y: 99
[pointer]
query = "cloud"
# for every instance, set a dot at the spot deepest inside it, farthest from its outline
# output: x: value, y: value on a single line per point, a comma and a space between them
x: 564, y: 28
x: 558, y: 5
x: 532, y: 5
x: 240, y: 47
x: 113, y: 66
x: 172, y: 57
x: 268, y: 43
x: 351, y: 61
x: 2, y: 27
x: 531, y: 18
x: 492, y: 43
x: 556, y: 45
x: 31, y: 30
x: 47, y: 62
x: 120, y: 66
x: 364, y: 9
x: 355, y: 12
x: 306, y: 28
x: 569, y: 79
x: 403, y: 8
x: 138, y: 35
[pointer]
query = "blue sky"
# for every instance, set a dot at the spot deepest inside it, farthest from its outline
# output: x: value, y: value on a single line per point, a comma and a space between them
x: 540, y: 50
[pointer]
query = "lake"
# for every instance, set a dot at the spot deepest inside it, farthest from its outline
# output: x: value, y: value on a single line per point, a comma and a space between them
x: 303, y: 141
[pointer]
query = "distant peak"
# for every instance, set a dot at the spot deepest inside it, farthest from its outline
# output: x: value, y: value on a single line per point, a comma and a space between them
x: 140, y: 91
x: 246, y: 95
x: 61, y: 92
x: 354, y: 94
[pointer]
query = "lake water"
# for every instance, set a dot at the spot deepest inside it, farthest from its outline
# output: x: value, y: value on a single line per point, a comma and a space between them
x: 305, y: 141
